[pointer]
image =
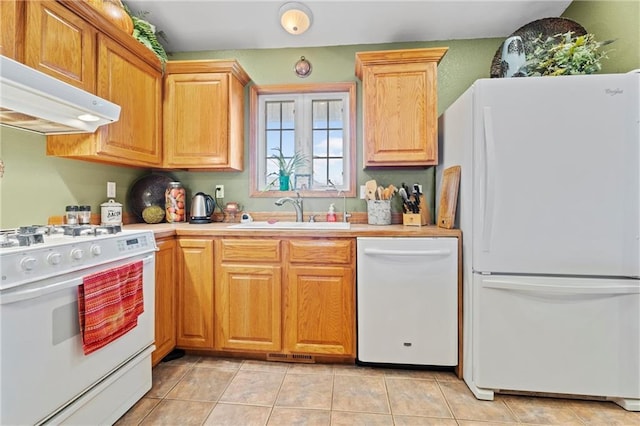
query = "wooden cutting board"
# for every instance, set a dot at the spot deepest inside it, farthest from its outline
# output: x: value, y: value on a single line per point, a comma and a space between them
x: 448, y: 197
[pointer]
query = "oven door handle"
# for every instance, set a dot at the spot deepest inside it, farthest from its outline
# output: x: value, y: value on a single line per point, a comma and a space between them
x: 31, y: 293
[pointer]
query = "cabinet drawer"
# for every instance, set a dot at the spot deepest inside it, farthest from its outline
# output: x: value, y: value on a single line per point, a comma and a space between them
x: 321, y: 251
x: 253, y: 250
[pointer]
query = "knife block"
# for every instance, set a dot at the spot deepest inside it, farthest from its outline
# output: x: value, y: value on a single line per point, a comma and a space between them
x: 418, y: 219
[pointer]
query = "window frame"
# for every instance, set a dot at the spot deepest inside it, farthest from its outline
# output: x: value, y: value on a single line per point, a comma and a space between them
x: 296, y: 89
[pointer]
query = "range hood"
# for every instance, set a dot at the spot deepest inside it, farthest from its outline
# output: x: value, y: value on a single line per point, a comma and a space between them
x: 34, y: 101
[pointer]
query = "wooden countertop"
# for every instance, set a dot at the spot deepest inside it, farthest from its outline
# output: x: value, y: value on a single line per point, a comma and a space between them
x: 163, y: 230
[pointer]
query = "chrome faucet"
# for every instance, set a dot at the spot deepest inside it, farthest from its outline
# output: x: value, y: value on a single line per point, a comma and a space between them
x: 345, y: 214
x: 297, y: 204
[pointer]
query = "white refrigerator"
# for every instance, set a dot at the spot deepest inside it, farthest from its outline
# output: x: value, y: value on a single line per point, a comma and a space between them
x: 548, y: 208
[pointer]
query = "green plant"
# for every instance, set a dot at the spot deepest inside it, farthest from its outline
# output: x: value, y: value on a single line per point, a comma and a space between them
x: 286, y: 166
x: 565, y: 54
x: 145, y: 33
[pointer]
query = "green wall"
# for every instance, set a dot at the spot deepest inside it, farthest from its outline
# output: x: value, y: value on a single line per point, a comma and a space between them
x: 35, y: 186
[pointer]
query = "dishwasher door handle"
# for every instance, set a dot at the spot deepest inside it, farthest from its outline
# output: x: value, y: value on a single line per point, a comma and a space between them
x: 406, y: 253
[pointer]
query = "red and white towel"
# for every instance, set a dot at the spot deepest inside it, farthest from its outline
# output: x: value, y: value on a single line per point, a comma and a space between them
x: 109, y: 304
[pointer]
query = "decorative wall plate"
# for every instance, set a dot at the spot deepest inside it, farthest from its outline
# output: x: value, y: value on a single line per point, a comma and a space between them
x: 547, y: 27
x: 302, y: 67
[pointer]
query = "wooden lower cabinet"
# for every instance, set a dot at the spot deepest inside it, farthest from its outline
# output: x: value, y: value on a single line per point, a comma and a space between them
x: 248, y: 294
x: 165, y: 329
x: 319, y: 310
x: 248, y: 307
x: 195, y: 293
x: 320, y: 296
x: 291, y: 296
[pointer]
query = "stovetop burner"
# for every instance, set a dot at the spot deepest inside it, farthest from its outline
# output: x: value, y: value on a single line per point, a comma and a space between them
x: 78, y: 230
x: 36, y: 234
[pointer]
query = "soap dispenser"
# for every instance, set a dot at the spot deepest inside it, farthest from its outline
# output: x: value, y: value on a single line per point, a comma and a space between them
x: 331, y: 214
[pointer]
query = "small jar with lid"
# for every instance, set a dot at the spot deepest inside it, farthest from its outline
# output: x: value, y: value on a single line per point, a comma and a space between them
x: 71, y: 216
x: 174, y: 197
x: 84, y: 215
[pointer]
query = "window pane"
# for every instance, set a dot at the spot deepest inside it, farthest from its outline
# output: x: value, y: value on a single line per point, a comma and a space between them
x: 288, y: 143
x: 335, y: 172
x: 288, y: 115
x: 273, y: 115
x: 336, y: 144
x: 319, y: 143
x: 320, y: 114
x: 319, y: 172
x: 273, y: 141
x: 335, y: 115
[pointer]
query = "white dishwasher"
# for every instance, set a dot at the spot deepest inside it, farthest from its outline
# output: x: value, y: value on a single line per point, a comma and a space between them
x: 407, y: 300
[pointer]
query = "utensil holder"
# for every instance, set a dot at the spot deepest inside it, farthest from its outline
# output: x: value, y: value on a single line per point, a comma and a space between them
x: 418, y: 219
x: 379, y: 212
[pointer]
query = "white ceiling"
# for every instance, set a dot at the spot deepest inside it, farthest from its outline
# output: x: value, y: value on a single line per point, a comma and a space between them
x: 241, y: 24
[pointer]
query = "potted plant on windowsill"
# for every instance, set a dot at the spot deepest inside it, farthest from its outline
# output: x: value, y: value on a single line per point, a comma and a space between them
x: 286, y: 167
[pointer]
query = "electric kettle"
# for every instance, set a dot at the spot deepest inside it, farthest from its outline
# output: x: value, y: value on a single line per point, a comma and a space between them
x: 202, y: 206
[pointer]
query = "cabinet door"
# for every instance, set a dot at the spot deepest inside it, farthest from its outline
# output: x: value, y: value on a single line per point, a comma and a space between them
x: 165, y: 299
x: 248, y: 307
x: 136, y: 86
x: 195, y: 294
x: 60, y: 43
x: 11, y: 22
x: 196, y: 132
x: 400, y: 115
x: 319, y: 310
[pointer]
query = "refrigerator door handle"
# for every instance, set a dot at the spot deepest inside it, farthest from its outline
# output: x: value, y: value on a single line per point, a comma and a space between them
x: 605, y: 289
x: 489, y: 179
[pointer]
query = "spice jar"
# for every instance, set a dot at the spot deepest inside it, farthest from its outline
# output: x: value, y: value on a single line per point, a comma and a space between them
x: 84, y: 215
x: 71, y: 215
x: 174, y: 197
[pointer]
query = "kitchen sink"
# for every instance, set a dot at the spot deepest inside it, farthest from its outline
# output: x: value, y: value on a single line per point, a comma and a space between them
x: 291, y: 225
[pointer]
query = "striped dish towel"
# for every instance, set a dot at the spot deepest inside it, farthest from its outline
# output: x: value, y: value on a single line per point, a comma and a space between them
x: 109, y: 303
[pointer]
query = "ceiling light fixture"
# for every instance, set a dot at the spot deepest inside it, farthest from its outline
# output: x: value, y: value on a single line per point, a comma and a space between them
x: 295, y: 17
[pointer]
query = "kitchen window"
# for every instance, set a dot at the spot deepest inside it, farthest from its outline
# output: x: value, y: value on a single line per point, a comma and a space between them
x: 314, y: 121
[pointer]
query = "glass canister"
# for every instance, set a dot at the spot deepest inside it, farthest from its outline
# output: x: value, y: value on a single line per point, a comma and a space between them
x: 71, y: 215
x: 174, y: 198
x: 84, y: 215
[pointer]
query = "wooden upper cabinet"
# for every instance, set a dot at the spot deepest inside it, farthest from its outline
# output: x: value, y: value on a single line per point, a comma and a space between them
x: 204, y: 115
x: 59, y: 43
x: 136, y: 86
x: 135, y: 139
x: 12, y: 24
x: 399, y: 106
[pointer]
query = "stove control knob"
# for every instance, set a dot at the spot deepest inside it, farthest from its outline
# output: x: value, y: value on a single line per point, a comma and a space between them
x: 77, y: 253
x: 96, y: 250
x: 54, y: 258
x: 28, y: 263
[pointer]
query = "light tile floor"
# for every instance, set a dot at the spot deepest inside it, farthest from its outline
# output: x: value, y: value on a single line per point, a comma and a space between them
x: 219, y: 391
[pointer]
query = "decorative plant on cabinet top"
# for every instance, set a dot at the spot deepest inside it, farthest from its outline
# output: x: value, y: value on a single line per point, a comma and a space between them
x: 566, y: 54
